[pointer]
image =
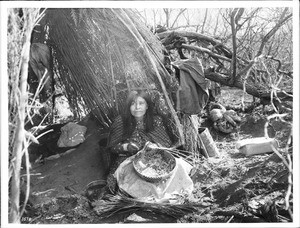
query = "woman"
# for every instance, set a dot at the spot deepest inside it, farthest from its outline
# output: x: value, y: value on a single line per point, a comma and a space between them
x: 130, y: 131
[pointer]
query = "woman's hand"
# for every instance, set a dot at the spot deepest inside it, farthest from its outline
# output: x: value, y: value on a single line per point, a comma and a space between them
x: 132, y: 148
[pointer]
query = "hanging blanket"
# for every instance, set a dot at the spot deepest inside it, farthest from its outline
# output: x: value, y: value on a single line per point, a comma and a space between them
x: 193, y: 93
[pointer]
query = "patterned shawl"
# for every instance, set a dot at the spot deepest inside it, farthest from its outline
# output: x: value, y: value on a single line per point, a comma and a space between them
x: 157, y: 135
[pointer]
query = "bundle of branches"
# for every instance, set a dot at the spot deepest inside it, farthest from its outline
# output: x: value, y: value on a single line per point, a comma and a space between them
x: 101, y: 54
x: 121, y: 202
x: 20, y: 25
x: 191, y: 125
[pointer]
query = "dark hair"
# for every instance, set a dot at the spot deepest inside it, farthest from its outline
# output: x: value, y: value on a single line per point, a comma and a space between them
x: 129, y: 121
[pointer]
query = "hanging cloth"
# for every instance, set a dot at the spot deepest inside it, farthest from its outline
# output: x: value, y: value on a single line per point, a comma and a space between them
x: 192, y: 94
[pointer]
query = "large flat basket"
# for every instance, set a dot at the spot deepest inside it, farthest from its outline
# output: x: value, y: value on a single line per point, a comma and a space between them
x: 154, y: 165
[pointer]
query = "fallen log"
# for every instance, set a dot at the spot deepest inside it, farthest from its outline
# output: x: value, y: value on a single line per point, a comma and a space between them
x: 169, y: 35
x: 254, y: 90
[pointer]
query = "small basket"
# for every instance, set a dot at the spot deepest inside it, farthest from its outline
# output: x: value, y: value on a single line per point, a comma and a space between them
x: 165, y: 155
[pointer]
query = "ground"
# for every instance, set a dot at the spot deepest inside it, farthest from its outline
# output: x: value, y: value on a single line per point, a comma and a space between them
x: 232, y: 188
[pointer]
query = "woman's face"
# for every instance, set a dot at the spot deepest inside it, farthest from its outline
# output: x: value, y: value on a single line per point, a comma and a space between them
x: 138, y: 107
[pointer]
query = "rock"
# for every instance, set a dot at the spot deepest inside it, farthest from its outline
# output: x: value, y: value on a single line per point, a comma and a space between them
x: 72, y: 134
x: 136, y: 218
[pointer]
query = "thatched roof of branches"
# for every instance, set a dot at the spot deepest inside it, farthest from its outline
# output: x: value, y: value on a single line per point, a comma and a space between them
x: 101, y: 54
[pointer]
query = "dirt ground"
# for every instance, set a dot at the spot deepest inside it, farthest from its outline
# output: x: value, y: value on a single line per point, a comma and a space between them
x: 232, y: 188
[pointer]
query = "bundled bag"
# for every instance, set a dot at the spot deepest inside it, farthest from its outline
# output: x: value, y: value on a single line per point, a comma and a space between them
x: 224, y: 121
x: 72, y: 134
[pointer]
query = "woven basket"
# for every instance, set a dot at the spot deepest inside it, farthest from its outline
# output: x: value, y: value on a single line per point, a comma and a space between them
x: 165, y: 155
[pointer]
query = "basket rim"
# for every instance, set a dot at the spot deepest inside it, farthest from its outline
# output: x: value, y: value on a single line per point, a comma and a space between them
x: 157, y: 178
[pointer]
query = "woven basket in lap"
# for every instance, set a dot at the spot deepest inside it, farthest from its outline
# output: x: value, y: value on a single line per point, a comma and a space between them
x: 143, y: 160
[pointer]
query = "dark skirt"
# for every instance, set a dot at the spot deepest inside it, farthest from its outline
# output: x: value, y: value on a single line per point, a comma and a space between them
x: 115, y: 161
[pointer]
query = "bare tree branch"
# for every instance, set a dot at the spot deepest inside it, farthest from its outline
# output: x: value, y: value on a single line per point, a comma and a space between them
x: 254, y: 90
x: 181, y: 12
x: 273, y: 30
x: 216, y: 26
x: 233, y: 63
x: 209, y: 52
x: 233, y: 22
x: 266, y: 38
x: 289, y: 74
x: 167, y: 13
x: 197, y: 36
x: 204, y: 21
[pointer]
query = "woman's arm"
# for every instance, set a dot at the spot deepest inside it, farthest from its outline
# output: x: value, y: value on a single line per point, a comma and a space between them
x: 159, y: 134
x: 115, y: 137
x: 116, y: 143
x: 125, y: 148
x: 117, y: 149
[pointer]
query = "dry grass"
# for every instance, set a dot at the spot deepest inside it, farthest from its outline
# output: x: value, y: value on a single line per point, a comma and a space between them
x: 20, y: 27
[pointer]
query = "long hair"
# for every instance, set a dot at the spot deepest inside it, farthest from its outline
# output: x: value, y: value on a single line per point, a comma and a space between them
x: 129, y: 121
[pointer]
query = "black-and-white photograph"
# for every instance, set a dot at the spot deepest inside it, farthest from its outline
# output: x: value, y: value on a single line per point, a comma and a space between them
x: 162, y: 113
